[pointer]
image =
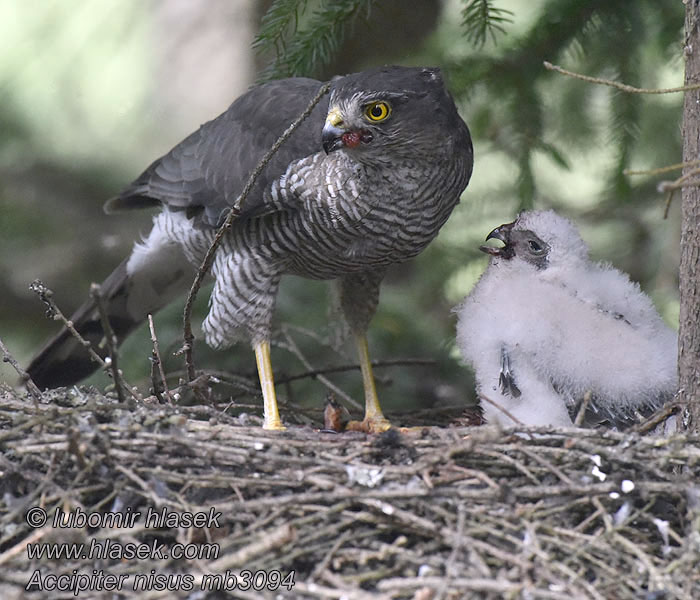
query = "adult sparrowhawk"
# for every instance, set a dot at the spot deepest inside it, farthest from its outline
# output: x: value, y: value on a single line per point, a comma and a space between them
x: 366, y: 181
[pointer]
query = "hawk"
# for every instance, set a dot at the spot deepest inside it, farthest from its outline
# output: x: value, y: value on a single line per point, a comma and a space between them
x: 366, y: 181
x: 545, y: 324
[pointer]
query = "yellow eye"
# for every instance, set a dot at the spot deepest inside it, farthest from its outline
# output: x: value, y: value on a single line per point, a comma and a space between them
x: 377, y: 111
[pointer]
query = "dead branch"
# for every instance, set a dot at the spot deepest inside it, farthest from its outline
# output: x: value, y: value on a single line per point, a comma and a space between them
x: 112, y: 361
x: 157, y: 366
x: 620, y: 86
x: 54, y: 312
x: 23, y: 375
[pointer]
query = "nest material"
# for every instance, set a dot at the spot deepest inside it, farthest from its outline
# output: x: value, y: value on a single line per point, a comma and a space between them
x: 433, y: 513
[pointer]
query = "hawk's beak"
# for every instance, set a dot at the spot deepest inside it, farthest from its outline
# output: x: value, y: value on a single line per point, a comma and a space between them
x: 501, y: 233
x: 332, y: 135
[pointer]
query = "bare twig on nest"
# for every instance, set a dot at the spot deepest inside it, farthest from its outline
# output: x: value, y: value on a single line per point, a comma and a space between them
x: 157, y: 366
x: 292, y: 346
x: 112, y: 361
x: 24, y: 376
x: 54, y: 312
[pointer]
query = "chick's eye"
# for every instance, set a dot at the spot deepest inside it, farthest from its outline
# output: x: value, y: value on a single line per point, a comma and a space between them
x: 534, y: 246
x: 377, y: 111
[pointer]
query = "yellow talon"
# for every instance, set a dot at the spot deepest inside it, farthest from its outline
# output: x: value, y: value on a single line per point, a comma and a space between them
x: 271, y: 418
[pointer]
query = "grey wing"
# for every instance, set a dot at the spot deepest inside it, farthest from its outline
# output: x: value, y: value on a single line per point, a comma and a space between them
x: 206, y: 172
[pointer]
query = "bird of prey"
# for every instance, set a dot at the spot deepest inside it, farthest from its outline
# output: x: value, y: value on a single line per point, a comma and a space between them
x: 545, y: 325
x: 366, y: 181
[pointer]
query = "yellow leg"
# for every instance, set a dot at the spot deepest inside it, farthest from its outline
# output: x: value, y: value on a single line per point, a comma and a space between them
x: 267, y: 385
x: 374, y: 421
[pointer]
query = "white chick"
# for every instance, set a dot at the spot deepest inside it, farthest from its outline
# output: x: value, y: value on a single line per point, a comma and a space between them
x: 545, y: 324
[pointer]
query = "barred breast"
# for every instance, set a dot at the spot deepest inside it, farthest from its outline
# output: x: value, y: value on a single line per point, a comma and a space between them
x: 329, y: 217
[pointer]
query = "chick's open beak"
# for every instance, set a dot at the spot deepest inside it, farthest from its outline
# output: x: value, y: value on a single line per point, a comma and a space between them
x: 502, y: 234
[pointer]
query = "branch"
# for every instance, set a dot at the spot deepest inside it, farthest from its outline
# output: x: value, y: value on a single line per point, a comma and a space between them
x: 233, y: 213
x: 377, y: 364
x: 672, y: 186
x: 157, y: 364
x: 112, y: 361
x: 620, y: 86
x: 661, y: 170
x: 24, y: 376
x: 53, y: 312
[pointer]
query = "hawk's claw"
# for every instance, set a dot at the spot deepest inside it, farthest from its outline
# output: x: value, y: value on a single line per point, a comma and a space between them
x: 370, y: 425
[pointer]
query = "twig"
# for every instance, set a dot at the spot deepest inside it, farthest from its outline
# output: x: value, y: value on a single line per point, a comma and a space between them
x: 266, y: 542
x: 53, y: 312
x: 657, y: 418
x: 294, y: 349
x: 620, y: 86
x: 321, y: 567
x: 581, y: 414
x: 377, y: 364
x: 661, y: 170
x: 506, y: 412
x: 24, y: 376
x: 677, y: 184
x: 20, y: 546
x: 112, y: 361
x: 157, y: 364
x: 451, y: 571
x: 233, y: 213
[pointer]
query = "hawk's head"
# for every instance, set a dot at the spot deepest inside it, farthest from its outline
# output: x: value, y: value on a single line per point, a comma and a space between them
x: 393, y: 112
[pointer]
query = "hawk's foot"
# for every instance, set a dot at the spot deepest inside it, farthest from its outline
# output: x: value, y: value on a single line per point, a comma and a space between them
x: 370, y: 425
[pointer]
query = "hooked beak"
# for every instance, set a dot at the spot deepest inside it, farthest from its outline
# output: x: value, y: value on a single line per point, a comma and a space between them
x: 332, y: 135
x: 502, y: 234
x: 336, y: 134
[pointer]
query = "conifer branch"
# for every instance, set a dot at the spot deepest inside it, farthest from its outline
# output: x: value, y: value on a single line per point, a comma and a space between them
x: 481, y: 19
x: 312, y: 46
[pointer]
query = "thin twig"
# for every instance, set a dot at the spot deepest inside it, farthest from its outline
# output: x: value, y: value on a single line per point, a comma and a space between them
x: 157, y: 364
x: 505, y: 411
x: 233, y: 213
x: 54, y: 312
x: 662, y: 170
x: 376, y: 364
x: 581, y: 414
x: 111, y: 341
x: 24, y: 376
x: 672, y: 186
x: 267, y: 541
x: 294, y: 349
x: 620, y: 86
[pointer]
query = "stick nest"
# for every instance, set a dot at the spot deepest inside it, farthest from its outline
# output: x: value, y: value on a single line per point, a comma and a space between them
x: 432, y: 513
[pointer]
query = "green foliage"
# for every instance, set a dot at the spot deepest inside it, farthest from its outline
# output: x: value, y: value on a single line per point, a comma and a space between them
x: 302, y: 48
x: 281, y: 18
x: 606, y: 38
x: 481, y: 19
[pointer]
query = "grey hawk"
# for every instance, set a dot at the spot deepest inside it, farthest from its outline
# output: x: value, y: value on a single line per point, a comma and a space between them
x: 545, y: 324
x: 365, y: 182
